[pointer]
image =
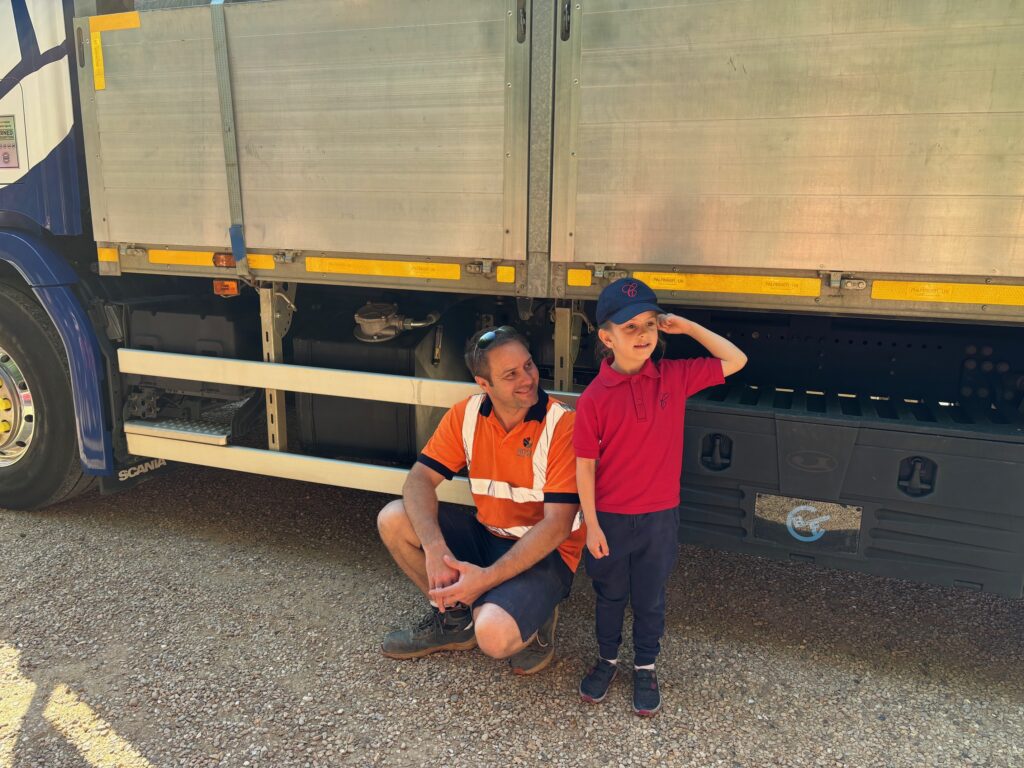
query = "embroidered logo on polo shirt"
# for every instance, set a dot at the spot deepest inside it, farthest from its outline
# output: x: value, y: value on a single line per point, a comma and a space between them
x: 664, y: 400
x: 525, y: 450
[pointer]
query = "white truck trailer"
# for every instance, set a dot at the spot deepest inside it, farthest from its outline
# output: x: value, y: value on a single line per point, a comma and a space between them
x: 293, y: 213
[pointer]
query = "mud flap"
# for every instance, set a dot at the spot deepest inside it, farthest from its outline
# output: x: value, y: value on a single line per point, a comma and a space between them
x: 131, y: 474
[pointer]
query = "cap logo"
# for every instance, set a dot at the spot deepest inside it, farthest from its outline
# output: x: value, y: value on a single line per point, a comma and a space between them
x: 630, y: 289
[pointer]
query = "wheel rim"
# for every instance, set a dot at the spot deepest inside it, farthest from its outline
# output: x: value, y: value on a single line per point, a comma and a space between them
x: 17, y: 411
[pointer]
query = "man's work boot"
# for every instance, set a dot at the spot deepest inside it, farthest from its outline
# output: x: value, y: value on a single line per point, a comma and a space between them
x: 538, y: 654
x: 448, y: 631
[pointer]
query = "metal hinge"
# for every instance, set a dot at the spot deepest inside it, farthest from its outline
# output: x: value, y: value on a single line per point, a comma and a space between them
x: 485, y: 268
x: 286, y: 257
x: 609, y: 273
x: 837, y: 281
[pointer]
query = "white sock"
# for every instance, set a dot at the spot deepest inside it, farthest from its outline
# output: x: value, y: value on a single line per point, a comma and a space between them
x: 645, y: 666
x: 613, y: 662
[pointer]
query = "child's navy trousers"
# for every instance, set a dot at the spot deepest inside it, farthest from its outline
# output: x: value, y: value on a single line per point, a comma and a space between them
x: 642, y: 553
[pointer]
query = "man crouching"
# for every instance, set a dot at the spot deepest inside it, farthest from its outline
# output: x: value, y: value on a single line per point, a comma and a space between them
x: 494, y: 579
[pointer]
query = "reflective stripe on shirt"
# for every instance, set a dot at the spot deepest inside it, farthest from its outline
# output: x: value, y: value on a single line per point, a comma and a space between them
x: 499, y: 489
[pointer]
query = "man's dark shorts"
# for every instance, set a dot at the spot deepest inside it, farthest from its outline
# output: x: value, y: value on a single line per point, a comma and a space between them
x: 530, y: 597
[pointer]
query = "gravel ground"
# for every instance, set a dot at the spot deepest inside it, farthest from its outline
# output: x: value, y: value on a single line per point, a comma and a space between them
x: 209, y: 619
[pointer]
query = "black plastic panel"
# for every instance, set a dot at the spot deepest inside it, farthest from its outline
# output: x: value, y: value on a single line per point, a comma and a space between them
x: 366, y: 428
x: 370, y: 430
x: 967, y: 530
x: 220, y: 331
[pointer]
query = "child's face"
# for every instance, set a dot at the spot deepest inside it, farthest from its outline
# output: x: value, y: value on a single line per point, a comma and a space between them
x: 633, y: 341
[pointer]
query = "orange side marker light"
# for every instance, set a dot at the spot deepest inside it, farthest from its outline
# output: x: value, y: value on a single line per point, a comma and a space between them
x: 226, y: 288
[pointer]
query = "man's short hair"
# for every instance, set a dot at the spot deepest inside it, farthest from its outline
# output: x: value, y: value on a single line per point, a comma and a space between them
x: 476, y: 358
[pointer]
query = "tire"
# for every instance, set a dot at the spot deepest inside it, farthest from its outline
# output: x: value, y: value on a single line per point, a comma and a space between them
x: 39, y: 462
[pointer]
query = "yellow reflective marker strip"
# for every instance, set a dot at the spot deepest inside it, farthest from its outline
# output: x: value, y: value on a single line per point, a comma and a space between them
x: 205, y: 259
x: 107, y: 254
x: 260, y: 261
x: 182, y: 258
x: 90, y: 734
x: 16, y: 692
x: 762, y: 285
x: 948, y: 293
x: 579, y: 278
x: 506, y: 274
x: 99, y: 25
x: 380, y: 268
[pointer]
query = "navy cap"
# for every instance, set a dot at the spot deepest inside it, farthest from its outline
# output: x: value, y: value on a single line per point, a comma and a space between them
x: 624, y: 299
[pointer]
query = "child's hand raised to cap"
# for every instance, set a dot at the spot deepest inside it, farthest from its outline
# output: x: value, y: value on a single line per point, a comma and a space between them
x: 669, y: 323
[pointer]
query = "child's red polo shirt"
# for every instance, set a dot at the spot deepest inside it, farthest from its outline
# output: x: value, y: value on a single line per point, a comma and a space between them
x: 634, y: 426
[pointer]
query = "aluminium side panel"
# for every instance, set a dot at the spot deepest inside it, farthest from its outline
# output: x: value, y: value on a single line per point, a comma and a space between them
x: 867, y: 137
x: 393, y: 128
x: 151, y: 120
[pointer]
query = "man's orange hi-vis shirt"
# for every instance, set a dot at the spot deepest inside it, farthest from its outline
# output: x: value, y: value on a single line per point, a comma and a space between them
x: 511, y: 474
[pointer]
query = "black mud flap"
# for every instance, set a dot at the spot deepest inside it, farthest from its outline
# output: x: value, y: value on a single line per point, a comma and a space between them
x: 131, y: 474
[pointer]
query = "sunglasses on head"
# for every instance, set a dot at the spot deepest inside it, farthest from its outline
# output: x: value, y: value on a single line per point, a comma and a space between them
x: 486, y: 339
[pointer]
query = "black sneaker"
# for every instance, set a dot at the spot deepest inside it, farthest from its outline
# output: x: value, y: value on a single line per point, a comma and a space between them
x: 646, y: 696
x: 448, y: 631
x: 594, y: 686
x: 538, y: 654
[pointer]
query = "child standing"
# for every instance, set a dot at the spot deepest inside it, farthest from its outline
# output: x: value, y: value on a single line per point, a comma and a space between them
x: 629, y: 453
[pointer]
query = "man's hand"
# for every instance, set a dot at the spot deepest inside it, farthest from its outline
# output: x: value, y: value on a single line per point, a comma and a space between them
x: 472, y: 582
x: 670, y: 323
x: 439, y: 573
x: 596, y: 542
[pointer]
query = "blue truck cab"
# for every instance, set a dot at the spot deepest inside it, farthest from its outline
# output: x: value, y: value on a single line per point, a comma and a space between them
x: 49, y: 339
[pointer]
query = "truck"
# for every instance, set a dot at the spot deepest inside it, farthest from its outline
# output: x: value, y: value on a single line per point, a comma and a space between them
x: 255, y: 235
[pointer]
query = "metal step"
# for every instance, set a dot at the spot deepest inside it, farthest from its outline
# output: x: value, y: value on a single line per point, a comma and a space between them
x: 185, y: 430
x: 214, y: 427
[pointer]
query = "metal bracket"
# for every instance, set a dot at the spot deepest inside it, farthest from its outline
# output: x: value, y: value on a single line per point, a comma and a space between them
x: 563, y: 348
x: 608, y: 272
x: 524, y: 307
x: 566, y: 28
x: 837, y: 281
x: 485, y: 268
x: 227, y: 117
x: 277, y: 306
x: 286, y: 257
x: 568, y: 330
x: 521, y: 21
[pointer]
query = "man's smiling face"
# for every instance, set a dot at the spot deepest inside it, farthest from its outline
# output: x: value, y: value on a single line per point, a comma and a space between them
x: 513, y: 377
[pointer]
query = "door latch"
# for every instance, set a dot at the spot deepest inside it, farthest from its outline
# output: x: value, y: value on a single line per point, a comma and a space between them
x: 837, y: 281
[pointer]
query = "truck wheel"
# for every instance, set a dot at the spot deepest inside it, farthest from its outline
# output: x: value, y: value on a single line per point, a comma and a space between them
x: 39, y: 462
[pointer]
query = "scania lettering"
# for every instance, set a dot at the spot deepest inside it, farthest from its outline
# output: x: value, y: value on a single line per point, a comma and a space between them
x: 141, y: 469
